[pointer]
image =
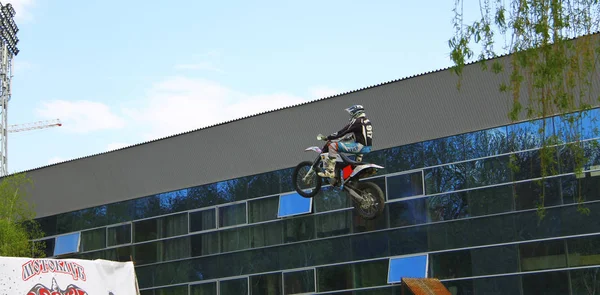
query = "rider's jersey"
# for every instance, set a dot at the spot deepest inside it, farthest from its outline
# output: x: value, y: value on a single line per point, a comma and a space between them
x: 360, y: 128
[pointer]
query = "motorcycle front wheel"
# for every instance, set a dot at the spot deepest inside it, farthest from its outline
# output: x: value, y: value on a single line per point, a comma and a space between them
x: 300, y: 177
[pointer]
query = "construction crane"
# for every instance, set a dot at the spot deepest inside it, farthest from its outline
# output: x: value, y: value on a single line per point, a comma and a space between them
x: 24, y: 127
x: 34, y: 125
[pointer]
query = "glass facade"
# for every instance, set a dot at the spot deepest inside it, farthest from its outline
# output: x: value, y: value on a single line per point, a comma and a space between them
x: 455, y: 210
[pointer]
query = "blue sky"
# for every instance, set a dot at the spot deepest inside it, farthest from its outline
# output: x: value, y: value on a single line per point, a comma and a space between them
x: 123, y: 72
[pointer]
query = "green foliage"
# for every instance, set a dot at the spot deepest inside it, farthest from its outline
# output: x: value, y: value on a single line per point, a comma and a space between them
x: 17, y: 227
x: 548, y: 72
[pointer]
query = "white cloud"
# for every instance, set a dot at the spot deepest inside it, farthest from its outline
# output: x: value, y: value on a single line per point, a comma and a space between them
x: 199, y: 66
x: 115, y: 146
x: 55, y: 160
x: 22, y: 9
x: 81, y: 116
x: 182, y: 104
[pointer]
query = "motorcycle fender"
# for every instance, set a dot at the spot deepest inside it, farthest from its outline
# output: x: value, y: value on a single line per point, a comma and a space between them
x: 315, y: 149
x: 363, y: 167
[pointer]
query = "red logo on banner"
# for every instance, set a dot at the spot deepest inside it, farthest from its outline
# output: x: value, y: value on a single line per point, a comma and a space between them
x: 37, y: 266
x: 40, y: 289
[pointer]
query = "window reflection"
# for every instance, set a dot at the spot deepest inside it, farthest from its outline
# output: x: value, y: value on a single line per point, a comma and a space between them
x: 415, y: 266
x: 233, y: 190
x: 585, y: 281
x: 93, y: 239
x: 266, y: 234
x: 298, y: 229
x: 402, y: 158
x: 405, y: 185
x: 407, y: 212
x: 584, y: 251
x: 120, y: 212
x: 445, y: 150
x: 267, y: 284
x: 302, y: 281
x: 546, y: 283
x: 447, y: 207
x: 453, y: 264
x: 263, y: 209
x: 543, y: 255
x: 446, y: 178
x: 329, y: 199
x: 204, y: 244
x: 232, y: 215
x: 294, y: 204
x: 490, y: 171
x: 235, y: 286
x: 117, y: 235
x: 334, y: 224
x: 204, y: 289
x: 235, y: 239
x: 203, y: 220
x: 66, y: 244
x: 263, y: 185
x: 526, y: 135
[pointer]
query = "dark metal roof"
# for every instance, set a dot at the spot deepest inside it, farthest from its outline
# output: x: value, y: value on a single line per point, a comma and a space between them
x: 409, y: 110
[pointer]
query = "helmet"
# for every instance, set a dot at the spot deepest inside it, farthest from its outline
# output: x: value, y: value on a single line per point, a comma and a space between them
x: 355, y: 110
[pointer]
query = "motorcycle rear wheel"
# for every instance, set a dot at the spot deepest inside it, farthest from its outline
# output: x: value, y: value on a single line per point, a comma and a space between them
x: 297, y: 179
x: 374, y: 192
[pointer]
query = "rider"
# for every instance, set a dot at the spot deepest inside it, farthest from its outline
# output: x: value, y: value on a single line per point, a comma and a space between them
x: 356, y: 137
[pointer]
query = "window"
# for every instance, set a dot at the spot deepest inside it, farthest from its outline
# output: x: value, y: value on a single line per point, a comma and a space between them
x: 414, y: 266
x: 232, y: 215
x: 293, y: 204
x: 203, y: 220
x: 405, y: 185
x: 162, y: 227
x: 262, y: 209
x: 234, y: 286
x: 266, y: 284
x: 93, y: 239
x: 302, y: 281
x: 66, y: 244
x: 118, y: 235
x: 204, y: 289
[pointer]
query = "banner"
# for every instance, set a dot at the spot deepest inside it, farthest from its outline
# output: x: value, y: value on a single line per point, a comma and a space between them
x: 28, y: 276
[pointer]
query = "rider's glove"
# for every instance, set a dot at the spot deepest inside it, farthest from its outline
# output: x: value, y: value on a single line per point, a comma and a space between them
x: 321, y: 137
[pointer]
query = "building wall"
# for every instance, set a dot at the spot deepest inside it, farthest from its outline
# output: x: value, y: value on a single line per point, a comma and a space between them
x: 403, y: 112
x: 453, y: 199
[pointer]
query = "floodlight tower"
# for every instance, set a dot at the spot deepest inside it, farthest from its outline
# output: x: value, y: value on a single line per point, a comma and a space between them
x: 8, y: 49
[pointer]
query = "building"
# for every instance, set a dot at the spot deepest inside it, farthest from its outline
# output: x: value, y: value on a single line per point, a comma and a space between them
x: 199, y: 211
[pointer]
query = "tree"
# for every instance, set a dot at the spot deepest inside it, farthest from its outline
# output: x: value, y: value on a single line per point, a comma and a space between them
x: 17, y: 227
x: 550, y: 69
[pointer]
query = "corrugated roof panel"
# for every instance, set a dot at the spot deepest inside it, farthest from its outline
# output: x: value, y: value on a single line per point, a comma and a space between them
x: 402, y: 112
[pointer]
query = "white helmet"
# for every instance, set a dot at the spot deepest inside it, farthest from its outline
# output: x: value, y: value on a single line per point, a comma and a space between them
x: 355, y: 110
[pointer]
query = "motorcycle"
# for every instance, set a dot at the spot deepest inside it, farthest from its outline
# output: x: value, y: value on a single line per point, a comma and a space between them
x: 367, y: 197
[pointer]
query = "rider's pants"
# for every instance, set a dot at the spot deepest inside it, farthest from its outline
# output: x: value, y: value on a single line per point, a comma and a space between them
x: 347, y: 147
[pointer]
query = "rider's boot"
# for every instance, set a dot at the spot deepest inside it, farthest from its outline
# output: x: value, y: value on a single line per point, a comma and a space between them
x: 329, y: 169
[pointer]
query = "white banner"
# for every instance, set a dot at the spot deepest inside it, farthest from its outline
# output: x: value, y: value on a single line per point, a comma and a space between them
x: 27, y: 276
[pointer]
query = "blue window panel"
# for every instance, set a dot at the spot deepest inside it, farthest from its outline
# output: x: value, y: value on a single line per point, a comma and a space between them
x: 407, y: 267
x: 293, y: 204
x: 66, y: 244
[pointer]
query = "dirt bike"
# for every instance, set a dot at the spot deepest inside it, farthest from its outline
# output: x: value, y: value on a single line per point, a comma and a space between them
x: 367, y: 197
